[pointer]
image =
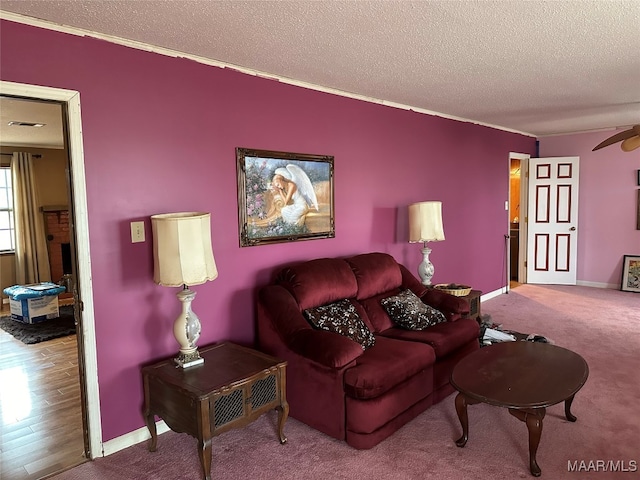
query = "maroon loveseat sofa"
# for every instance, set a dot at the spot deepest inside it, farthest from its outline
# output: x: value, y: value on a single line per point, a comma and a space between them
x: 335, y: 385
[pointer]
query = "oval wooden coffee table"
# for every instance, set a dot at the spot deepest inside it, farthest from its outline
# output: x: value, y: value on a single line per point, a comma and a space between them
x: 525, y: 377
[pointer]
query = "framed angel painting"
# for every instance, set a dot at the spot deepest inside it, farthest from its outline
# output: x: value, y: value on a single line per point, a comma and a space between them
x: 284, y: 197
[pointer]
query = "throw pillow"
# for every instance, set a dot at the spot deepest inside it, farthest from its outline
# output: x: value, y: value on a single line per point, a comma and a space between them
x: 408, y: 311
x: 341, y: 317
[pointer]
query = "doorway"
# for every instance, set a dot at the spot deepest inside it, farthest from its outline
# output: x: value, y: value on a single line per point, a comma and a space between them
x: 518, y: 205
x: 514, y: 219
x: 42, y: 428
x: 83, y: 292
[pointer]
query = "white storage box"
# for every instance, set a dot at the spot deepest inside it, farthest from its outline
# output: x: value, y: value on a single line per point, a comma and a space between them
x: 34, y: 310
x: 34, y: 303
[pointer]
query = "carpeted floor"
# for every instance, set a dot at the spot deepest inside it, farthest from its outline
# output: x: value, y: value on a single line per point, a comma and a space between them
x: 41, y: 331
x: 601, y: 325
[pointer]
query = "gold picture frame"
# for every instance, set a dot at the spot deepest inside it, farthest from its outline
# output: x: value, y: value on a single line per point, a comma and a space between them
x: 284, y: 197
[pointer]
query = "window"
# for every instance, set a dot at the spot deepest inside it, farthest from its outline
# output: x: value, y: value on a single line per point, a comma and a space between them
x: 7, y: 229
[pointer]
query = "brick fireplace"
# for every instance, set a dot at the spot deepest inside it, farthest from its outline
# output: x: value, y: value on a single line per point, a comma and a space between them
x: 56, y: 221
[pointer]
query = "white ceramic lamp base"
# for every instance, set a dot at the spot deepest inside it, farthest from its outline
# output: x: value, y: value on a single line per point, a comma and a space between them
x: 425, y: 269
x: 186, y: 329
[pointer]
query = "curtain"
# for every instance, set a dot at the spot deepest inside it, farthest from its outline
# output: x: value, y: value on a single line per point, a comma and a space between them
x: 32, y: 258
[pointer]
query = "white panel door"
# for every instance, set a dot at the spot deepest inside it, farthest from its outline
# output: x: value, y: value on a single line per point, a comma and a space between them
x: 552, y: 220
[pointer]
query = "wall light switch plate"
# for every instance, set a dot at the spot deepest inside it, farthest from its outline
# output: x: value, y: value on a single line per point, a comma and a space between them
x: 506, y: 205
x: 137, y: 232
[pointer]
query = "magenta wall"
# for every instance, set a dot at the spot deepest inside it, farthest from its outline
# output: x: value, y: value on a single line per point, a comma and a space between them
x: 160, y: 135
x: 607, y: 204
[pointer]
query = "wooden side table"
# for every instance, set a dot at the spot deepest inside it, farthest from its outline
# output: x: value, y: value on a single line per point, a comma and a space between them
x: 233, y: 387
x: 473, y: 297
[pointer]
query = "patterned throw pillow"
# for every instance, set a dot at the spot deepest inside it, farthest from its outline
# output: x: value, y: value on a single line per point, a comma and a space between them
x: 408, y: 311
x: 341, y: 317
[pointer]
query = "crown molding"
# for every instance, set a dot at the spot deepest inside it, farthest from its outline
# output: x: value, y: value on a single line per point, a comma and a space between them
x: 35, y: 22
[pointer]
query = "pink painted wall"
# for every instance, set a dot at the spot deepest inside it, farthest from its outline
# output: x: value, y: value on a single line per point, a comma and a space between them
x: 160, y: 135
x: 607, y: 204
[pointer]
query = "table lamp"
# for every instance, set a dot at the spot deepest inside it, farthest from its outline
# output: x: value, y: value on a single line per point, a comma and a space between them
x: 183, y: 256
x: 425, y: 225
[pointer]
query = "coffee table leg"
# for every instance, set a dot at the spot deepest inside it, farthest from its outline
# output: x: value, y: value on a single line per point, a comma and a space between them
x: 534, y: 425
x: 461, y: 409
x: 533, y: 419
x: 567, y: 409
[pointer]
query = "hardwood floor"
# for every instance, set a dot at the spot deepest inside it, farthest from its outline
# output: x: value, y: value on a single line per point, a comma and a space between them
x: 40, y: 409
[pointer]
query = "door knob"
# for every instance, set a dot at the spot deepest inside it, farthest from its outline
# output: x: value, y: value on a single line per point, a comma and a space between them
x: 572, y: 228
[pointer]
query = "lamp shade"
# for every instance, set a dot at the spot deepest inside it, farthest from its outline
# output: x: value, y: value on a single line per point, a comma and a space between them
x: 182, y: 252
x: 425, y: 222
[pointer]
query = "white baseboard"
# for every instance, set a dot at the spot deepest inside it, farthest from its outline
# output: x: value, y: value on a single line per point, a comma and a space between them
x: 129, y: 439
x: 495, y: 293
x: 614, y: 286
x: 500, y: 291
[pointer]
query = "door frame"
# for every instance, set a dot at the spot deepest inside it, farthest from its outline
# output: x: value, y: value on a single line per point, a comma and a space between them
x: 522, y: 218
x: 87, y: 352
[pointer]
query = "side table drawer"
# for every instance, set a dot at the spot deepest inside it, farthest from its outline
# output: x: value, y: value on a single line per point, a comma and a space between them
x: 264, y: 392
x: 227, y: 408
x: 245, y: 401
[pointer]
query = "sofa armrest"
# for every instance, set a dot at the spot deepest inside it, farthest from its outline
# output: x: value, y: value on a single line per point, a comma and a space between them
x: 453, y: 307
x: 326, y: 348
x: 277, y: 307
x: 445, y: 302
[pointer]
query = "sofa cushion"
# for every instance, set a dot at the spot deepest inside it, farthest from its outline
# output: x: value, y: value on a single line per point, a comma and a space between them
x: 341, y: 317
x: 445, y: 337
x: 375, y: 273
x: 319, y: 282
x: 408, y: 311
x: 375, y: 312
x: 389, y: 363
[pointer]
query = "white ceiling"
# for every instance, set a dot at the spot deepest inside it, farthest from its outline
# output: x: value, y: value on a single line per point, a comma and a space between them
x: 49, y: 114
x: 538, y: 67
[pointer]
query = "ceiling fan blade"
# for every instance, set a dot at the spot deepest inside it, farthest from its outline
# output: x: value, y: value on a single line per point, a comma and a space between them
x: 618, y: 137
x: 630, y: 143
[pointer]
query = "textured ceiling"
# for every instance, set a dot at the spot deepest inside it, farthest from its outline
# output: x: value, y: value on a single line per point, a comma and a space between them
x: 539, y: 67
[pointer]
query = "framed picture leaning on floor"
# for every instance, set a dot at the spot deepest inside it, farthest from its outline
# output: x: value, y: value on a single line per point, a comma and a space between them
x: 631, y: 273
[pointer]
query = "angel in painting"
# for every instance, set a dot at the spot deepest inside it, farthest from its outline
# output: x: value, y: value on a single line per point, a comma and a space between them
x: 292, y: 184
